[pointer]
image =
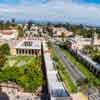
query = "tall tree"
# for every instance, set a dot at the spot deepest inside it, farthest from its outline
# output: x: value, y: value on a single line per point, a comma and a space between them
x: 1, y: 24
x: 20, y: 31
x: 92, y: 32
x: 63, y: 35
x: 98, y: 32
x: 29, y: 25
x: 5, y: 49
x: 2, y: 60
x: 7, y: 24
x: 13, y: 22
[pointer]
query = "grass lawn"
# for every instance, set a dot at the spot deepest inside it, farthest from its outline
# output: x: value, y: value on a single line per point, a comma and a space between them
x: 24, y: 70
x: 20, y: 61
x: 93, y: 80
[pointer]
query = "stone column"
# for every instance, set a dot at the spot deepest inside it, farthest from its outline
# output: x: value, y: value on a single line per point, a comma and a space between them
x: 17, y: 51
x: 21, y: 52
x: 28, y: 52
x: 24, y: 51
x: 35, y: 52
x: 31, y: 52
x: 97, y: 72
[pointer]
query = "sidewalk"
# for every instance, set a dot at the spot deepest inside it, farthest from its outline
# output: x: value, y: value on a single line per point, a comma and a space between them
x: 79, y: 96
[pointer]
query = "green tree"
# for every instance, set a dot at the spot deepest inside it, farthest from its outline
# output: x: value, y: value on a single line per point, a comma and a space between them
x: 29, y: 24
x: 96, y: 56
x: 7, y: 24
x: 1, y: 25
x: 63, y: 35
x: 13, y: 22
x: 5, y: 49
x: 2, y: 61
x: 98, y: 32
x: 20, y: 31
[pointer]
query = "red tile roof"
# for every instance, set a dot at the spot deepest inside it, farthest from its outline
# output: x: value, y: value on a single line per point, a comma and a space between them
x: 6, y: 32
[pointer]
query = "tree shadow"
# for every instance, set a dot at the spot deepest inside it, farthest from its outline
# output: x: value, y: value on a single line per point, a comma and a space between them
x: 3, y: 96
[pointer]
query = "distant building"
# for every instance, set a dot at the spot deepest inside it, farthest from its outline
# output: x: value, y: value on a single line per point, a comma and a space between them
x: 34, y: 30
x: 79, y: 42
x: 8, y: 34
x: 57, y: 32
x: 1, y: 42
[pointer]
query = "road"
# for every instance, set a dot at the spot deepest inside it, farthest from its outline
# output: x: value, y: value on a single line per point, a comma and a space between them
x: 74, y: 73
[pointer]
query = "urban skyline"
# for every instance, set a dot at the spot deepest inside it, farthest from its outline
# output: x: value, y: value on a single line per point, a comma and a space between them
x: 74, y: 11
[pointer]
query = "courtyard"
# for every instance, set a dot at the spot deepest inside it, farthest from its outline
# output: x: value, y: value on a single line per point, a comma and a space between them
x: 25, y: 71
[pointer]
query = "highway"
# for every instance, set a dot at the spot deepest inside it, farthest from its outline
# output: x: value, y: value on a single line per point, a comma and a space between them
x: 74, y: 73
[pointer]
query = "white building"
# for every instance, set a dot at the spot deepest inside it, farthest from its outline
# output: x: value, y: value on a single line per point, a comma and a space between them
x: 34, y: 31
x: 57, y: 32
x: 26, y: 46
x: 79, y: 42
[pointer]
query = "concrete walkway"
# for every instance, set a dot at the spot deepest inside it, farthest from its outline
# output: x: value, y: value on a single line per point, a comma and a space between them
x: 79, y: 96
x: 13, y: 94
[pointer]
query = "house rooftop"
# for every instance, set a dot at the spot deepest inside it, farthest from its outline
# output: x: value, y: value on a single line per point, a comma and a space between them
x: 29, y: 44
x: 6, y: 32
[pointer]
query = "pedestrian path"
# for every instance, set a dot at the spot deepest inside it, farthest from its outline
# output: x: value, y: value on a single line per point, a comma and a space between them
x: 79, y: 96
x: 95, y: 96
x: 13, y: 94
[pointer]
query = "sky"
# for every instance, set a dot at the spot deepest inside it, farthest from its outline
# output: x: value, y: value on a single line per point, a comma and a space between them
x: 73, y: 11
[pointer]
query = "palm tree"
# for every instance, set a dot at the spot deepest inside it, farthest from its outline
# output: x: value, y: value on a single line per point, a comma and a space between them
x: 92, y: 32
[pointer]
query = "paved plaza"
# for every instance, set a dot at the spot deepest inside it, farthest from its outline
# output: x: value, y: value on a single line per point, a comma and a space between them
x: 13, y: 94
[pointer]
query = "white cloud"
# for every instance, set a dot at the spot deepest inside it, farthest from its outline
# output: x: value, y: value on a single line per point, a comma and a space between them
x: 56, y: 10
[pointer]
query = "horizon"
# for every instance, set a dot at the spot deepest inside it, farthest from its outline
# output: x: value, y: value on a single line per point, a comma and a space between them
x: 86, y: 12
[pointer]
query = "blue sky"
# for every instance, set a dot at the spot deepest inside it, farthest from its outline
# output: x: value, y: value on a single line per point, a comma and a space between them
x: 90, y: 1
x: 74, y: 11
x: 37, y: 1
